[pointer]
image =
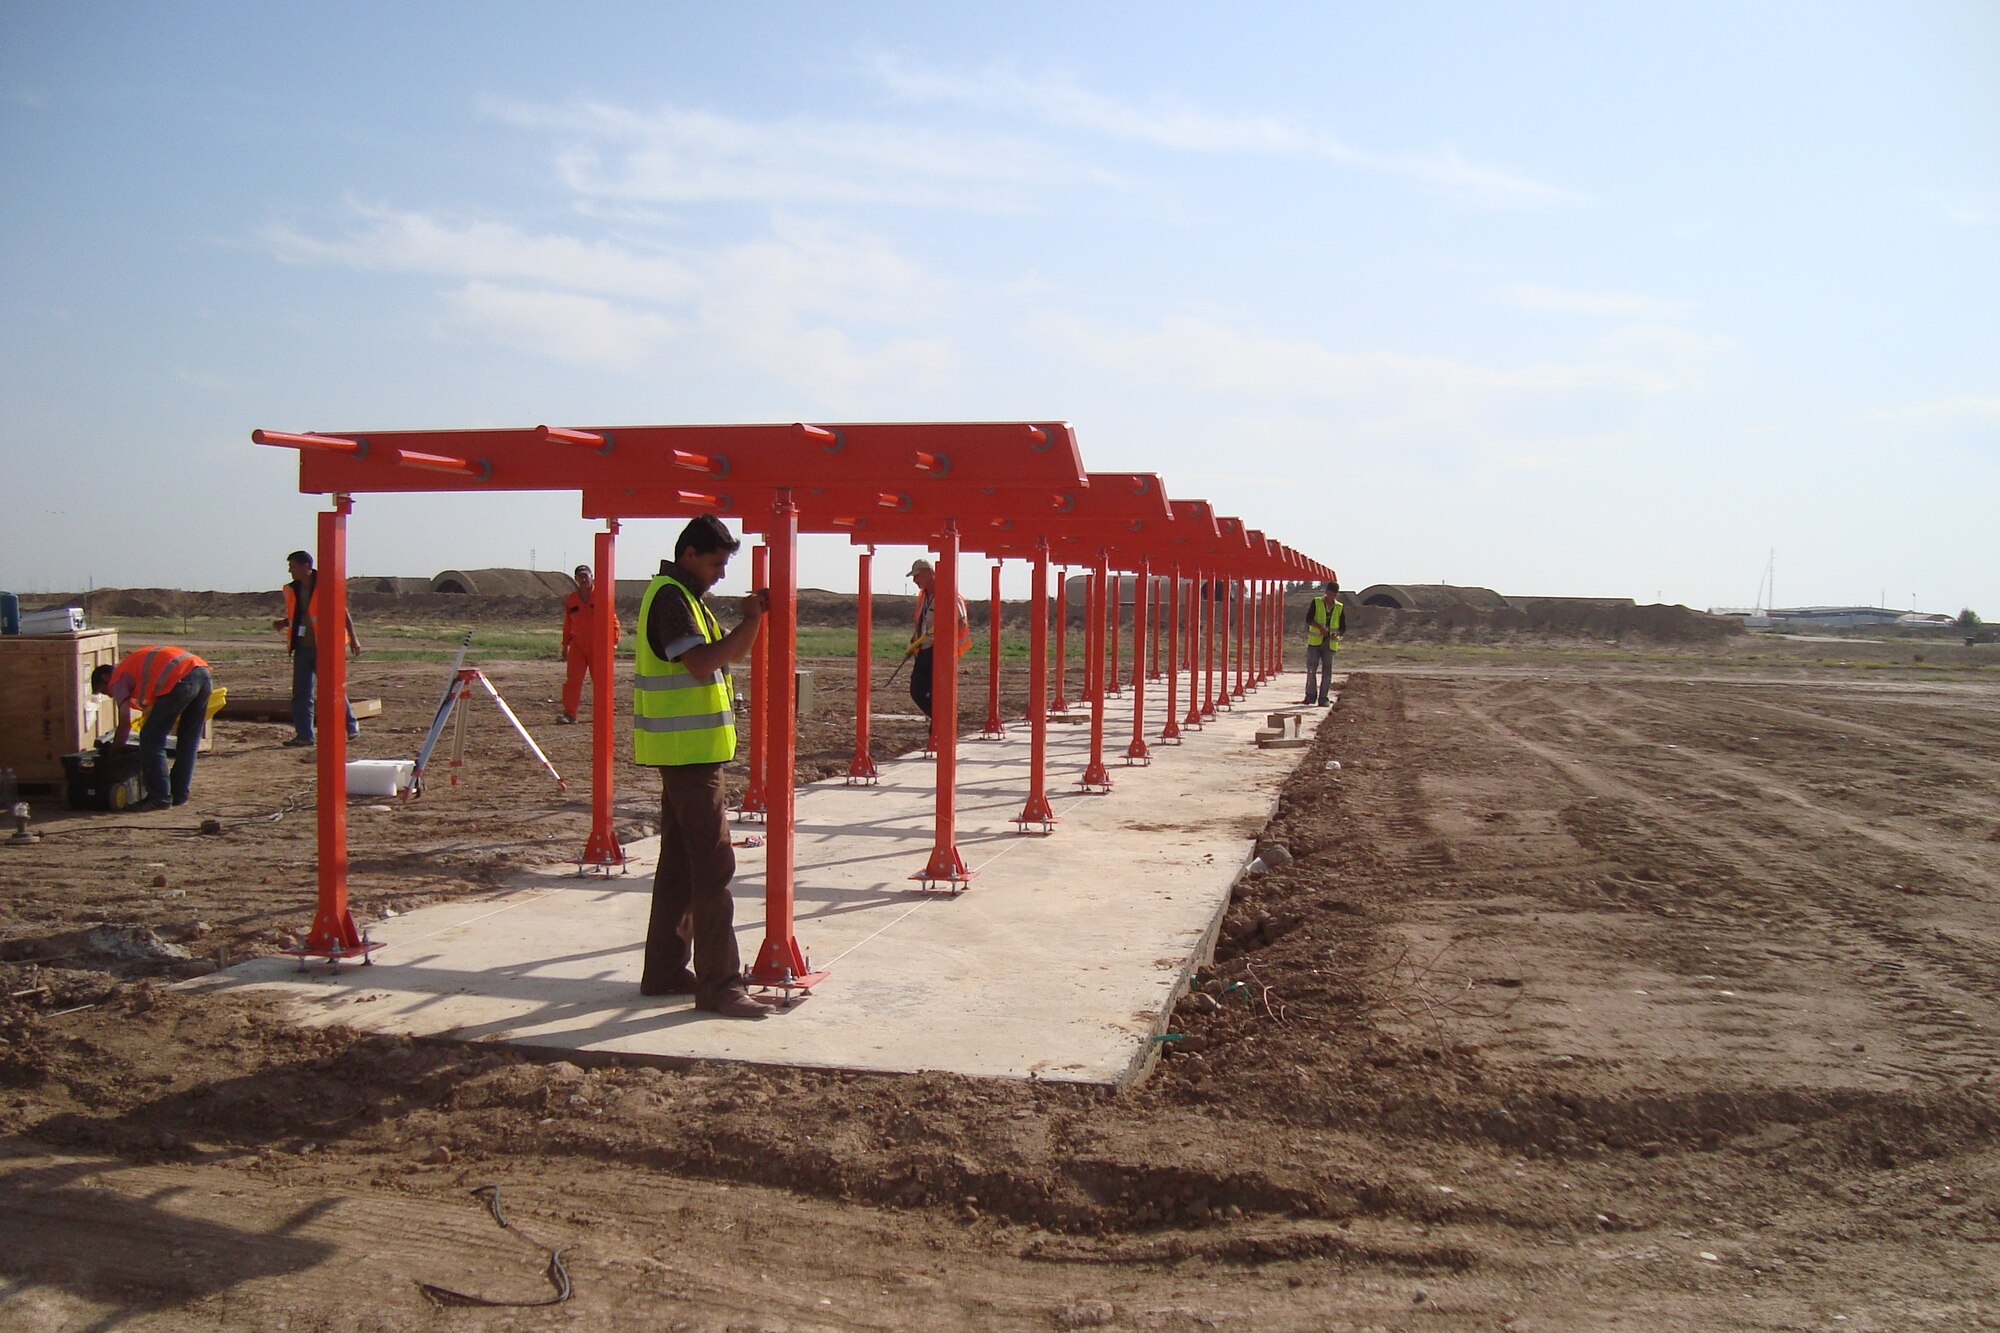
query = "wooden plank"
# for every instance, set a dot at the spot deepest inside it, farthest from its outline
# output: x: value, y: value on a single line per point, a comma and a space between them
x: 278, y: 708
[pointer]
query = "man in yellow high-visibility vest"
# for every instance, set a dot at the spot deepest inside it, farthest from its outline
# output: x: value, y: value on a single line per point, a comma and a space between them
x: 1325, y: 620
x: 683, y: 723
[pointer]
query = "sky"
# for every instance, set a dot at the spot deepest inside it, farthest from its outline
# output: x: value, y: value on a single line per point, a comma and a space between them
x: 1694, y: 302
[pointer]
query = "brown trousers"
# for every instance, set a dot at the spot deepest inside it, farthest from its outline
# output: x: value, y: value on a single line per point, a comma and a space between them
x: 696, y: 862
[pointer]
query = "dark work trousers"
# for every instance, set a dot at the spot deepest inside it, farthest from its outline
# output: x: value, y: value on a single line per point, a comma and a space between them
x: 182, y: 710
x: 696, y: 862
x: 1319, y: 672
x: 920, y: 680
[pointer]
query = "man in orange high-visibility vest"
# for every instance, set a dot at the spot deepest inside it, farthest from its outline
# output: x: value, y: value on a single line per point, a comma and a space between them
x: 579, y: 640
x: 921, y: 641
x: 302, y: 642
x: 172, y: 685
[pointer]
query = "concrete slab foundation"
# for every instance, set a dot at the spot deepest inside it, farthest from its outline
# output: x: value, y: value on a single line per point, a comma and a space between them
x: 1061, y: 961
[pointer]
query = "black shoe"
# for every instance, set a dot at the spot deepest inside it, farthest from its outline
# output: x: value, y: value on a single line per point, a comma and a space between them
x: 298, y: 743
x: 151, y: 803
x: 180, y: 800
x: 677, y: 983
x: 353, y: 731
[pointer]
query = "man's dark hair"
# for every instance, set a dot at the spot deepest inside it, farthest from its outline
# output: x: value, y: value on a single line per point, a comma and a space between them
x: 100, y: 679
x: 703, y: 534
x: 302, y: 557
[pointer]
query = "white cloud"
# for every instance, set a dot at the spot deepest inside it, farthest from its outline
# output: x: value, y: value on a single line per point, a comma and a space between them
x: 1057, y: 100
x: 805, y: 303
x: 681, y: 156
x: 1981, y: 209
x: 1959, y: 410
x: 387, y: 240
x: 581, y: 330
x: 1613, y: 305
x: 1205, y: 354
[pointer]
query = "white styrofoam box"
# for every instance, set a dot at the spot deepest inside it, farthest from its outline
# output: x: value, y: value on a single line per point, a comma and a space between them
x: 53, y: 620
x: 378, y: 777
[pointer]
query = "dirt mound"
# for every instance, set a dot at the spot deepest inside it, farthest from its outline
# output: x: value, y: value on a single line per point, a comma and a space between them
x: 1545, y: 620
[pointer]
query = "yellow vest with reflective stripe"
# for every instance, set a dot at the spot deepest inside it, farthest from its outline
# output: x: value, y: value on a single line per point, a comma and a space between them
x: 678, y: 717
x: 1320, y: 622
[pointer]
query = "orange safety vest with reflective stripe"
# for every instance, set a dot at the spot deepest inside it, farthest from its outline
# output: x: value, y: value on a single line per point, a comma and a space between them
x: 964, y: 624
x: 154, y: 671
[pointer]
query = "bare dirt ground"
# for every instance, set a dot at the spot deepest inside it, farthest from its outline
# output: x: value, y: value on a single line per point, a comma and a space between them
x: 1647, y: 986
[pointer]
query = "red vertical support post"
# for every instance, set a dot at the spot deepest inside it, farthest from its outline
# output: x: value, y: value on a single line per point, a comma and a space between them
x: 1153, y: 599
x: 1264, y: 639
x: 1095, y: 776
x: 1274, y: 619
x: 946, y: 866
x: 1136, y: 752
x: 1237, y: 593
x: 1193, y: 719
x: 1208, y: 645
x: 333, y: 936
x: 861, y: 768
x: 780, y: 960
x: 994, y: 728
x: 1277, y: 628
x: 1260, y: 640
x: 1171, y: 733
x: 1037, y: 810
x: 602, y: 847
x: 1059, y: 704
x: 1115, y: 591
x: 1223, y: 697
x: 755, y: 804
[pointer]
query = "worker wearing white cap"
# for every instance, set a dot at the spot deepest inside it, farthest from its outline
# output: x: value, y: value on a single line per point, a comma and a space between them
x: 922, y: 639
x: 579, y: 640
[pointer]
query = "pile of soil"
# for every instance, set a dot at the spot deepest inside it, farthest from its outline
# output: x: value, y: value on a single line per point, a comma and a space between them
x: 1542, y: 620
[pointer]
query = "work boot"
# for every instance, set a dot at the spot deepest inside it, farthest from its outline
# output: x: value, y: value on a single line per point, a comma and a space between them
x: 735, y: 1005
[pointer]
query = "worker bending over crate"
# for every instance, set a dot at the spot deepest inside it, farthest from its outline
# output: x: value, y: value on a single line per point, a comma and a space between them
x: 172, y: 686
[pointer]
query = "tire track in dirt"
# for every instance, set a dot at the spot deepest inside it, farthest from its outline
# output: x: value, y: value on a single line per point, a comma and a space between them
x: 1833, y: 825
x: 1937, y: 991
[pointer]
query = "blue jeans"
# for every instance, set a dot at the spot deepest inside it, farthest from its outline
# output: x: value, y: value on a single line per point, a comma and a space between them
x: 1319, y: 660
x: 182, y: 710
x: 305, y: 670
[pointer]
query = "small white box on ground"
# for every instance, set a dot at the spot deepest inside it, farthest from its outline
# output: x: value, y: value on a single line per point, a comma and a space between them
x: 378, y: 777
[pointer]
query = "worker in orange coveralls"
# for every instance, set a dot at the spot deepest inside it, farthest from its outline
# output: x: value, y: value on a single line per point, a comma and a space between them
x: 579, y: 641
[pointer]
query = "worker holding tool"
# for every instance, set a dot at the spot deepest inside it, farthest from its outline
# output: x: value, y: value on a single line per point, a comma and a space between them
x: 921, y: 641
x: 302, y: 642
x: 683, y: 725
x: 172, y: 686
x: 579, y: 640
x: 1326, y: 618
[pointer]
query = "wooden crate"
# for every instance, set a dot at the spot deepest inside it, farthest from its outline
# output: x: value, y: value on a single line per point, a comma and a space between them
x: 46, y: 707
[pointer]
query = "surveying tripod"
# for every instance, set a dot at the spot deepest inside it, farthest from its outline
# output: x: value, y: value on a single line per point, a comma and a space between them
x: 457, y: 689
